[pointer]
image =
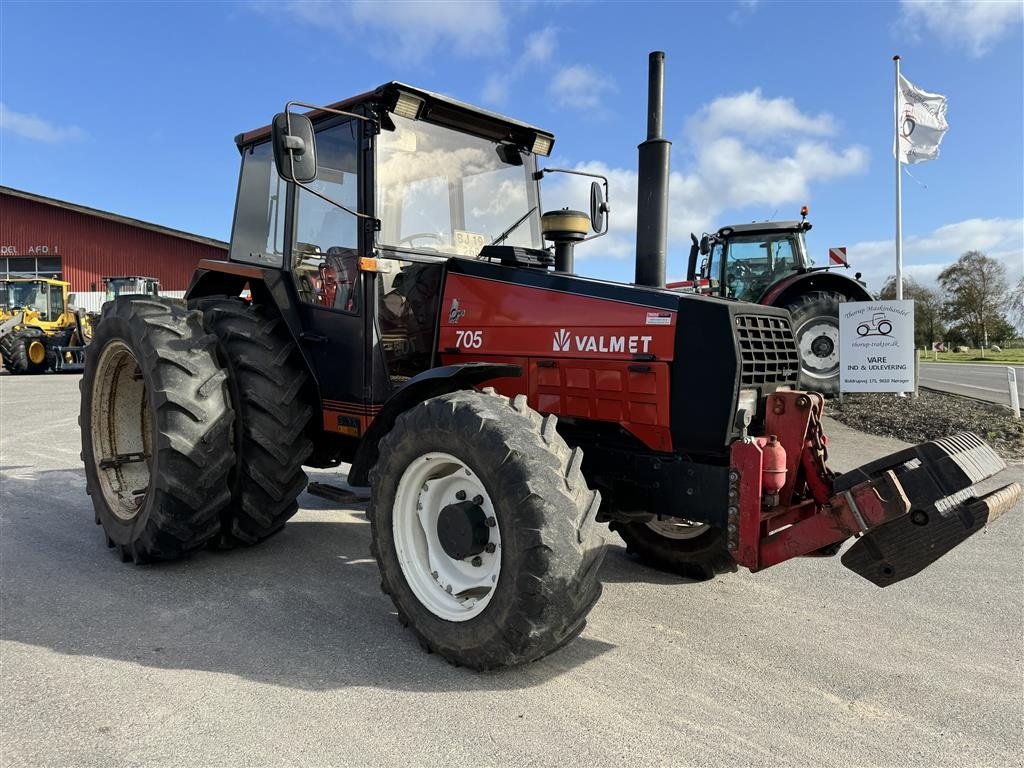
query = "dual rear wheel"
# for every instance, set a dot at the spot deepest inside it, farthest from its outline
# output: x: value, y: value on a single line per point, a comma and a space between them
x: 192, y: 432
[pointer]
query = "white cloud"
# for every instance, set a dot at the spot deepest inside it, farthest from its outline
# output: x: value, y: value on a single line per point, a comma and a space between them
x: 924, y: 256
x: 743, y: 10
x: 538, y: 49
x: 974, y: 25
x: 752, y: 116
x: 579, y: 87
x: 408, y: 29
x: 540, y: 45
x: 37, y: 128
x: 727, y: 172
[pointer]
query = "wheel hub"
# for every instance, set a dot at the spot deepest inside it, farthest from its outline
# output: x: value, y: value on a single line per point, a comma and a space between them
x: 822, y: 346
x: 819, y: 347
x: 447, y: 536
x: 462, y: 530
x: 36, y: 352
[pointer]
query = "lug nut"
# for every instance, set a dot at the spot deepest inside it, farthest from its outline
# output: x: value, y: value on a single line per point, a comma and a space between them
x: 734, y: 477
x: 478, y: 500
x: 491, y: 522
x: 477, y: 561
x: 461, y: 495
x: 489, y: 548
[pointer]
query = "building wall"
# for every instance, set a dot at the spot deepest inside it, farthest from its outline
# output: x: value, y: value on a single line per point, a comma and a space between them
x: 91, y: 247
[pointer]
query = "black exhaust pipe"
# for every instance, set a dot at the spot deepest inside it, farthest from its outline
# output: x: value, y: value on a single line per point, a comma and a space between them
x: 652, y: 184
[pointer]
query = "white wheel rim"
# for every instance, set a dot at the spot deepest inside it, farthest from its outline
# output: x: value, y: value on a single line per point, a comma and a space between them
x: 122, y: 440
x: 822, y: 366
x: 455, y: 590
x: 677, y: 528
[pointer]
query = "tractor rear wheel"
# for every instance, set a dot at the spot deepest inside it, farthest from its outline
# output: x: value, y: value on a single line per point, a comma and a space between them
x: 266, y: 379
x: 156, y: 429
x: 695, y: 551
x: 483, y: 528
x: 25, y: 351
x: 816, y: 328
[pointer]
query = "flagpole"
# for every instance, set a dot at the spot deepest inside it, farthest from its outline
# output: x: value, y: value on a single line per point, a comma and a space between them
x: 899, y: 183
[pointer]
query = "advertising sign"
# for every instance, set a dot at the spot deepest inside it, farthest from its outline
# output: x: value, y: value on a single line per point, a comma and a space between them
x: 876, y: 346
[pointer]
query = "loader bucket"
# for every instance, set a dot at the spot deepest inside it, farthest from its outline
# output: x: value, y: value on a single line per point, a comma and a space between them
x: 945, y: 509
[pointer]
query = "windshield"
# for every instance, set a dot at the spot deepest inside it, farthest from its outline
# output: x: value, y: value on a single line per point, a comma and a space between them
x: 28, y: 295
x: 126, y: 286
x: 446, y: 191
x: 755, y: 262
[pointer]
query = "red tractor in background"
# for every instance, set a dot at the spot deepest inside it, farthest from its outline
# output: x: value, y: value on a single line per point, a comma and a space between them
x: 767, y: 263
x: 406, y: 318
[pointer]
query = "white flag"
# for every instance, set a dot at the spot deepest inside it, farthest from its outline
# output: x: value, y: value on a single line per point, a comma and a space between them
x: 920, y: 123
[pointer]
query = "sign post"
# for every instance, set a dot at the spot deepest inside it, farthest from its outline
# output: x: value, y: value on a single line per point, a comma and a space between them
x: 876, y: 346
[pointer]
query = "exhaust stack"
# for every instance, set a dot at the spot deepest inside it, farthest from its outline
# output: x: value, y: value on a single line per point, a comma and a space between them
x: 652, y: 184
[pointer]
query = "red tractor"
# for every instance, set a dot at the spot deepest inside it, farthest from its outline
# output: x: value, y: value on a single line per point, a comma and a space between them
x: 767, y: 263
x: 406, y: 318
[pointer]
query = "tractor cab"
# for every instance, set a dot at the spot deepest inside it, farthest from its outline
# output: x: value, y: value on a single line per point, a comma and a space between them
x: 743, y: 261
x: 130, y: 284
x: 389, y: 188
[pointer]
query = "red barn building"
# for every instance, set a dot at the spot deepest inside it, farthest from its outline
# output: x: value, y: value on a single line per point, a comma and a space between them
x: 41, y: 236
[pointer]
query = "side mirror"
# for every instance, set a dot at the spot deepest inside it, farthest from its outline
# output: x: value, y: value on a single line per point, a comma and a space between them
x: 294, y: 147
x: 598, y: 207
x: 705, y: 246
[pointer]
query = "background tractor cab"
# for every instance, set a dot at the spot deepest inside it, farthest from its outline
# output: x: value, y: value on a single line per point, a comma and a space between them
x: 767, y: 263
x: 130, y: 284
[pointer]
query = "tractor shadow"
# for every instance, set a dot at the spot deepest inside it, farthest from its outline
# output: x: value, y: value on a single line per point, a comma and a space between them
x: 302, y: 610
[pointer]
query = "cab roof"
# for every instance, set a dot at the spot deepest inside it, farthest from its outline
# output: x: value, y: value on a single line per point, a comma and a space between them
x: 765, y: 227
x: 437, y: 108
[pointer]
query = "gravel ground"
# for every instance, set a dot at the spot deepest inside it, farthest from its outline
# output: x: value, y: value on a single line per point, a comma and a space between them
x: 930, y: 416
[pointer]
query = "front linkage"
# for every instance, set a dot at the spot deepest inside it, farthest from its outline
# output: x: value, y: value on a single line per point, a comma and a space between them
x: 906, y: 510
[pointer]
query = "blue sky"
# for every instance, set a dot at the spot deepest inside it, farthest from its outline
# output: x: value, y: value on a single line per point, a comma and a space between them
x: 132, y: 107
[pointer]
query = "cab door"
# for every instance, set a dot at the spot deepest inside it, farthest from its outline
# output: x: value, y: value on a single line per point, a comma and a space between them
x: 333, y: 296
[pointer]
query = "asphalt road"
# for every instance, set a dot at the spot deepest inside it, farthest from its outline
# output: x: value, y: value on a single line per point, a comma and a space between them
x: 288, y: 653
x: 982, y: 381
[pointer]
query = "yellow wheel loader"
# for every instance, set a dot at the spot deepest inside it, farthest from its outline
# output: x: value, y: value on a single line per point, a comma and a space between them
x: 39, y: 330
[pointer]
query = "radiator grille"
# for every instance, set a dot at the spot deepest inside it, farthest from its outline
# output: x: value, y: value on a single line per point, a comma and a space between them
x: 768, y: 350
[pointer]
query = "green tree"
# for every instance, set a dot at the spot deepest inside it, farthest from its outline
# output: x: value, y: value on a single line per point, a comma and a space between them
x: 976, y: 295
x: 928, y: 325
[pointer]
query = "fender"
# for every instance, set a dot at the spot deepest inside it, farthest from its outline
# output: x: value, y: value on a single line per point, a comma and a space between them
x: 783, y: 292
x: 431, y: 383
x: 267, y: 286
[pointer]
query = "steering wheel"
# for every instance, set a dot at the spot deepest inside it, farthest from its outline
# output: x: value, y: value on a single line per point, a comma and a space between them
x: 742, y: 270
x: 430, y: 235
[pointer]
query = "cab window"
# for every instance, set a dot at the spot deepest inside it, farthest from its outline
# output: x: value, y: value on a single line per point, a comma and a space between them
x: 325, y: 251
x: 56, y: 302
x: 257, y: 236
x: 756, y: 262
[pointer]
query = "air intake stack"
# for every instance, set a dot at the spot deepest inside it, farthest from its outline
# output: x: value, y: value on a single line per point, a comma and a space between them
x: 652, y: 184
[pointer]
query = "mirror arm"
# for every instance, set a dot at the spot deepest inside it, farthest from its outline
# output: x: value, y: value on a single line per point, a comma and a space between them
x: 291, y: 104
x: 604, y: 180
x: 291, y: 158
x: 336, y: 204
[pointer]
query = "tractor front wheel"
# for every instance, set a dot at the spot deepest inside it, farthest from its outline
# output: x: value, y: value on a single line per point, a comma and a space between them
x: 483, y: 528
x: 156, y: 429
x: 25, y: 351
x: 816, y: 328
x: 692, y: 550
